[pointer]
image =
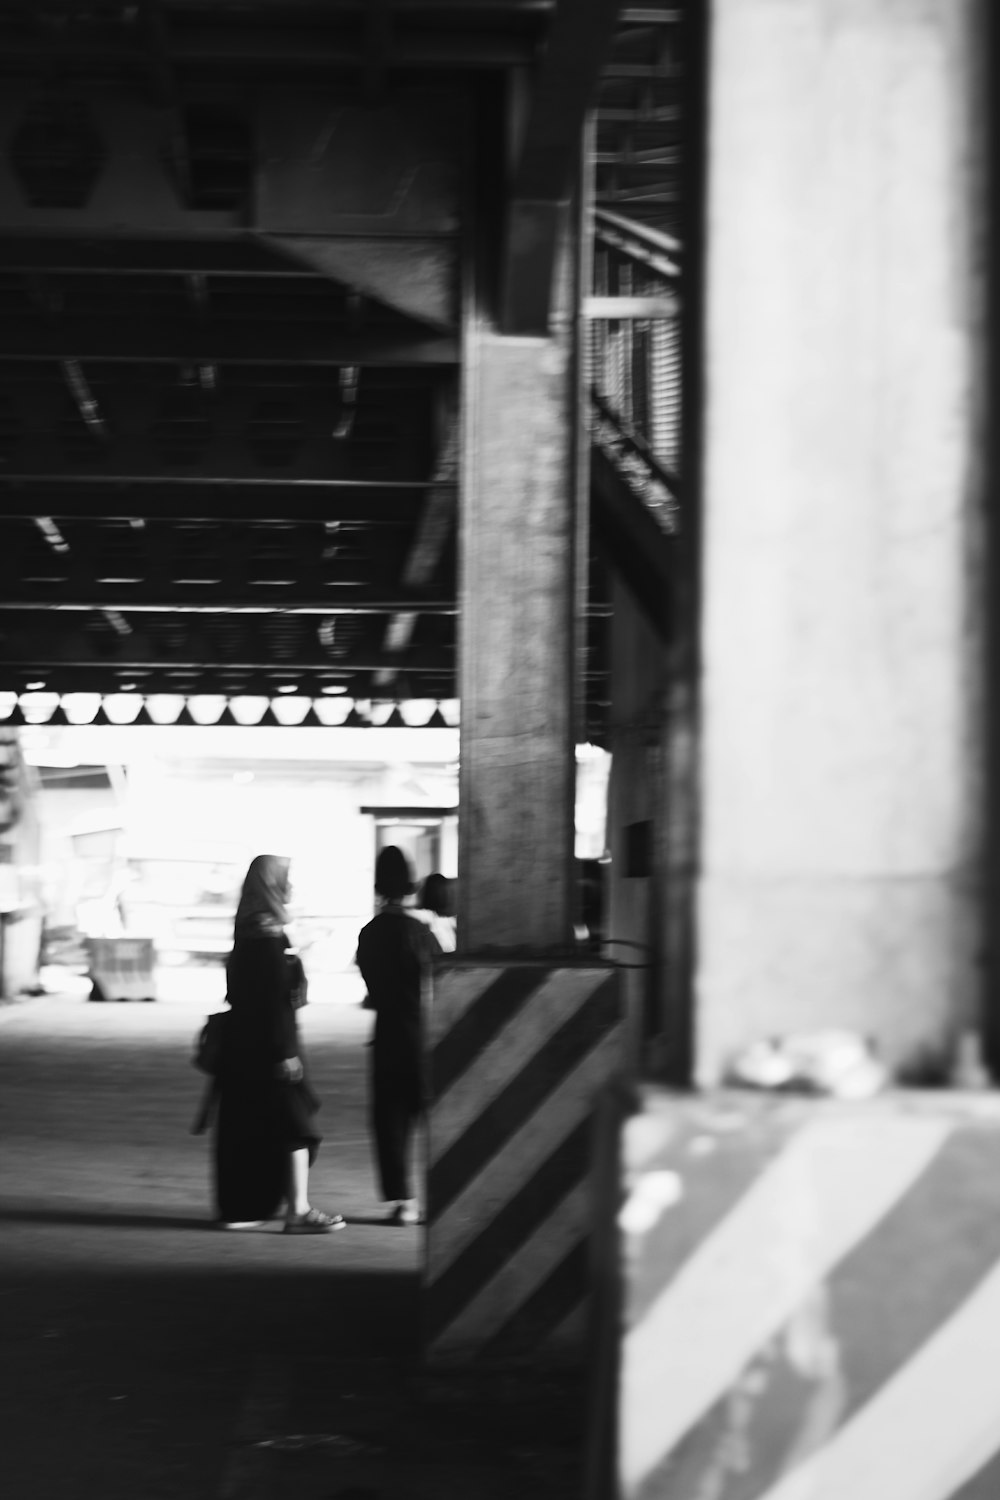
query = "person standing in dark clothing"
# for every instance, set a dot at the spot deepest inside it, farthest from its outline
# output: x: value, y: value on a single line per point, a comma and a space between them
x: 394, y: 955
x: 265, y: 1136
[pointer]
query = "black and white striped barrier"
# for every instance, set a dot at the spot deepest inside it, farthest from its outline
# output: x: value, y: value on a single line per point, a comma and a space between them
x: 809, y: 1301
x: 518, y: 1056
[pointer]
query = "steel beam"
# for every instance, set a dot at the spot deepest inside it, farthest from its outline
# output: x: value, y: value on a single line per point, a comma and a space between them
x: 639, y: 114
x: 236, y: 253
x: 159, y: 342
x: 230, y: 434
x: 189, y: 599
x: 156, y: 498
x: 34, y: 645
x: 614, y: 309
x: 125, y: 179
x: 416, y: 276
x: 283, y: 48
x: 315, y: 168
x: 560, y: 94
x: 212, y: 678
x: 342, y: 169
x: 630, y: 235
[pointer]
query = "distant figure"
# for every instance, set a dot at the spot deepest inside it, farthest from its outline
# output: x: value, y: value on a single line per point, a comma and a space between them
x: 436, y: 908
x: 265, y: 1138
x: 394, y: 954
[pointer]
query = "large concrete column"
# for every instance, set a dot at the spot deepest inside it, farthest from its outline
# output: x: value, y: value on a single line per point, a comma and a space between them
x: 518, y: 544
x: 841, y: 775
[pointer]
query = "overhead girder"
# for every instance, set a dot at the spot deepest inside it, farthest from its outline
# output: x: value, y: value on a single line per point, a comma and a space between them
x: 559, y: 95
x: 210, y: 678
x: 208, y: 341
x: 135, y: 561
x: 311, y: 171
x: 351, y: 501
x: 234, y: 431
x: 232, y: 254
x: 31, y: 642
x: 416, y: 276
x: 282, y: 48
x: 342, y: 599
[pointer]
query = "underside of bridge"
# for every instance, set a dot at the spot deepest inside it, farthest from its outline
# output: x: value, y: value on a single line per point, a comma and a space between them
x: 235, y: 248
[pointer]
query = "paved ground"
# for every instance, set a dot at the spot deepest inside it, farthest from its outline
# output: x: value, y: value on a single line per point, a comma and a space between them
x: 146, y: 1355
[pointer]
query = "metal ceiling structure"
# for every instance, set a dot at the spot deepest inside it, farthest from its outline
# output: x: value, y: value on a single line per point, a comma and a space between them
x: 230, y: 267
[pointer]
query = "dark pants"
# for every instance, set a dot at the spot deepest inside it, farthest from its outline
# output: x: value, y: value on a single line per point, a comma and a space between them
x: 396, y: 1106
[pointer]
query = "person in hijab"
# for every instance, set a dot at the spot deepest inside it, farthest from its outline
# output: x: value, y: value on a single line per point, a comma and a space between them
x: 265, y: 1136
x: 394, y: 955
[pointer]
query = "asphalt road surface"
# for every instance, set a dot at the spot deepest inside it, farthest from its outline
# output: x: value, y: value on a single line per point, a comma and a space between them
x: 146, y: 1355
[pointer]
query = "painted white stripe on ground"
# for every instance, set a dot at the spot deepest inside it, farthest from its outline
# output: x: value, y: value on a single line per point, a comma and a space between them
x: 931, y: 1428
x: 562, y: 996
x: 520, y: 1275
x: 454, y: 993
x: 826, y: 1191
x: 478, y: 1204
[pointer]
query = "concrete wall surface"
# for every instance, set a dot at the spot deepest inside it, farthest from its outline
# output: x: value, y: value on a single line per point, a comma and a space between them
x: 842, y: 766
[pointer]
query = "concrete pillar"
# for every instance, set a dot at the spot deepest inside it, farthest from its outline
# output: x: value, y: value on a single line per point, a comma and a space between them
x: 841, y: 752
x: 518, y: 539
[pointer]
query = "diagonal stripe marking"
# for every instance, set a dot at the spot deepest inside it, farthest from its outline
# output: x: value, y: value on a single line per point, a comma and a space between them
x: 829, y: 1187
x: 454, y: 991
x: 502, y: 1238
x: 552, y: 1004
x: 522, y: 1154
x: 506, y: 994
x: 570, y: 1335
x: 484, y: 1314
x: 934, y: 1426
x: 504, y: 1115
x: 527, y: 1330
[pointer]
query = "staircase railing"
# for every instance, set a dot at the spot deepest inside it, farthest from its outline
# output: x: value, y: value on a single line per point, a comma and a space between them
x: 635, y: 361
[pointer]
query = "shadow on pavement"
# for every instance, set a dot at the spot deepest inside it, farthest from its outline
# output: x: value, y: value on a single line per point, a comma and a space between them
x: 142, y: 1383
x: 98, y: 1219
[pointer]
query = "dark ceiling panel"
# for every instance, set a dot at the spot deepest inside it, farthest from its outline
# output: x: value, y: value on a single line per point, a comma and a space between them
x: 176, y: 507
x: 172, y: 341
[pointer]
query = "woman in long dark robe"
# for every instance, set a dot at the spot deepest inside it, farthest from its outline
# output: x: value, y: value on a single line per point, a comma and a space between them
x: 265, y: 1136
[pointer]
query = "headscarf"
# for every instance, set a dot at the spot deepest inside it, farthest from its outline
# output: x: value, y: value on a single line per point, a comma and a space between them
x: 262, y: 907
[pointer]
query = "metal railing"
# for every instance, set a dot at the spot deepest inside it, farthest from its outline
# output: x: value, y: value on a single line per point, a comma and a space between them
x: 634, y: 363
